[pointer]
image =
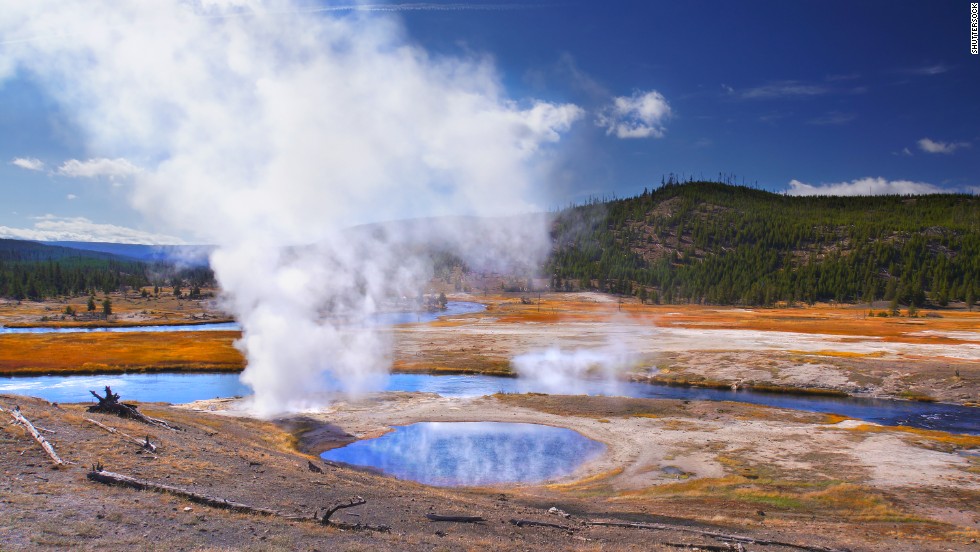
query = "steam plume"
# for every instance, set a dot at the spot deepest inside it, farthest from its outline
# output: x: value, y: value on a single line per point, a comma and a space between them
x: 584, y: 370
x: 269, y: 133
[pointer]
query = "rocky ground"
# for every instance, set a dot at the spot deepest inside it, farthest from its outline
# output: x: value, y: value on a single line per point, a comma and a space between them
x: 723, y: 468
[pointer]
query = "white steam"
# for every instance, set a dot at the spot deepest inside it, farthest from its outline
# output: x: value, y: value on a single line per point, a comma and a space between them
x: 268, y: 131
x: 577, y: 371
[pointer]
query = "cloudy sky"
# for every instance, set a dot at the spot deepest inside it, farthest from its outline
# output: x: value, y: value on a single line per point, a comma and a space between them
x: 801, y: 97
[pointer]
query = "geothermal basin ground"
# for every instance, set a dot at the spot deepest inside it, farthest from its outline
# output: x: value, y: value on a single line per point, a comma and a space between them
x: 683, y: 473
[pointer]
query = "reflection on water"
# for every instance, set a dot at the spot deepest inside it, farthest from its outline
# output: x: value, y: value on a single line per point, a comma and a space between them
x: 187, y: 387
x: 209, y: 327
x: 173, y: 388
x: 472, y: 453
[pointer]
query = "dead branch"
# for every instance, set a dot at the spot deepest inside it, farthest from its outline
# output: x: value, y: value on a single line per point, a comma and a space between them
x: 145, y: 444
x: 109, y: 404
x: 109, y: 478
x: 532, y: 523
x: 99, y: 475
x: 714, y: 535
x: 19, y: 418
x: 456, y: 519
x: 355, y: 501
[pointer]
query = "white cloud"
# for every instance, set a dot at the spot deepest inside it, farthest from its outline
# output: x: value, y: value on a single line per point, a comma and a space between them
x: 926, y: 70
x: 638, y: 116
x: 29, y: 163
x: 930, y: 146
x: 863, y: 187
x: 833, y: 118
x: 52, y: 228
x: 99, y: 167
x: 783, y: 89
x: 71, y: 197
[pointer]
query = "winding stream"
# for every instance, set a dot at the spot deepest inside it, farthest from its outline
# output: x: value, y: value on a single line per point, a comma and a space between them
x: 187, y: 387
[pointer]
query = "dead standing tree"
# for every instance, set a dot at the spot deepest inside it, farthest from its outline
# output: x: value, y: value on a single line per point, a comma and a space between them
x: 109, y: 404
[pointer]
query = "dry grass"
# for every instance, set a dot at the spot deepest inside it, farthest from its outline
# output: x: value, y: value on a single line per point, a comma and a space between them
x: 826, y: 498
x: 928, y: 436
x: 118, y: 352
x: 597, y: 484
x: 128, y: 309
x: 817, y: 319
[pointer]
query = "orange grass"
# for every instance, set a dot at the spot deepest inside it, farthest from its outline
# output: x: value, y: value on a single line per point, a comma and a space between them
x: 955, y: 439
x: 818, y: 319
x: 118, y: 352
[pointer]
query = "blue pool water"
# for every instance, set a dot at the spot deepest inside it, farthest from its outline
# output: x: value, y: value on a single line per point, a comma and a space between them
x: 472, y: 453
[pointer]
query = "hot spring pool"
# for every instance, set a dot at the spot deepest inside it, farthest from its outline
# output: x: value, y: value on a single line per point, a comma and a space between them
x: 452, y: 454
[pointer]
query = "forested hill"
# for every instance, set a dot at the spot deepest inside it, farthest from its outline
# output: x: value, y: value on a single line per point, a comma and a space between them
x: 722, y: 244
x: 31, y: 270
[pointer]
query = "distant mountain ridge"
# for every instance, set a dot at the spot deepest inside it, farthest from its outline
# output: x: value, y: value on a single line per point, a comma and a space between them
x: 187, y: 254
x: 31, y: 251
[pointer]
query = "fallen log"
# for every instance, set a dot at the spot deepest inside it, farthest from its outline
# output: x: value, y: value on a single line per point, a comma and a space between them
x: 19, y: 418
x: 714, y: 535
x: 147, y: 445
x: 109, y: 478
x: 109, y: 404
x: 100, y: 475
x: 455, y: 519
x: 532, y: 523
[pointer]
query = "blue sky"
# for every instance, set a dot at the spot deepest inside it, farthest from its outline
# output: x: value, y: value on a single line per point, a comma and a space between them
x: 801, y: 96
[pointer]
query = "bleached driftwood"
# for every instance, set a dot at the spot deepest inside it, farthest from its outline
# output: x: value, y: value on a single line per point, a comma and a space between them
x: 100, y: 475
x: 19, y: 418
x: 110, y: 478
x: 146, y: 444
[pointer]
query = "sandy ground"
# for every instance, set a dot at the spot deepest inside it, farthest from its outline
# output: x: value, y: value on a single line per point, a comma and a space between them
x: 726, y: 467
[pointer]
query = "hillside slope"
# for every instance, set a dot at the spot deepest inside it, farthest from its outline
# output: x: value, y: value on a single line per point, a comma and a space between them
x: 722, y: 244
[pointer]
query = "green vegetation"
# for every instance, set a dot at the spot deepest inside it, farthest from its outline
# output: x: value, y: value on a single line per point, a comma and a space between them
x: 714, y: 243
x: 33, y: 271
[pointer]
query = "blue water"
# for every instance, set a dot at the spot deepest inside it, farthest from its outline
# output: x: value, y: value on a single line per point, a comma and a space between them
x: 164, y: 387
x: 186, y: 387
x: 472, y: 453
x: 453, y: 308
x: 210, y: 327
